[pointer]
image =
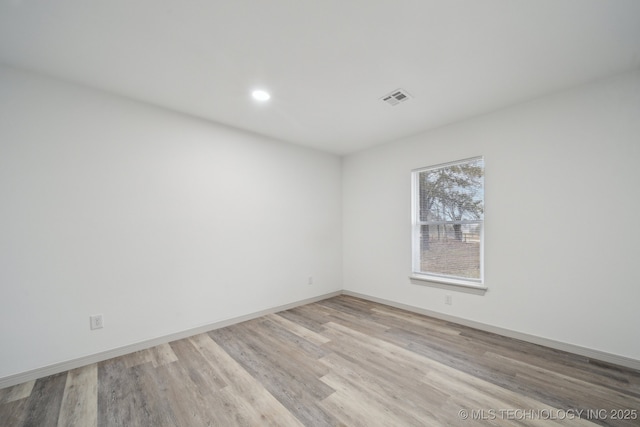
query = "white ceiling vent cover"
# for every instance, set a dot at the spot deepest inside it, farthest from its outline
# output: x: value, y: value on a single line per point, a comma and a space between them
x: 396, y: 97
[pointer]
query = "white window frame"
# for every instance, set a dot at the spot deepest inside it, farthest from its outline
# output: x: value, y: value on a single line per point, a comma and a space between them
x: 416, y: 224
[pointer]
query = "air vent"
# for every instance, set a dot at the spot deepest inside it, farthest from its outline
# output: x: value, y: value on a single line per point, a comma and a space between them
x: 396, y: 97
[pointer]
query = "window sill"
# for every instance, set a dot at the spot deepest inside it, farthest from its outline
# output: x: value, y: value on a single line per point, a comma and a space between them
x: 443, y: 282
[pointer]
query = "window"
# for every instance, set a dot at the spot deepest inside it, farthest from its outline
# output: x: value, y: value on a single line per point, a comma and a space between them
x: 448, y: 216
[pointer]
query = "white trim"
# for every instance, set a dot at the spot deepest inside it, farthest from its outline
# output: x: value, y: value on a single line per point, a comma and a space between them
x: 445, y: 222
x: 534, y: 339
x: 56, y: 368
x: 447, y: 281
x: 121, y: 351
x: 448, y: 164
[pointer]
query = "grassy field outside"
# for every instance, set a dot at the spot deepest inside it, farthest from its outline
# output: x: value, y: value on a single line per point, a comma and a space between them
x: 452, y: 257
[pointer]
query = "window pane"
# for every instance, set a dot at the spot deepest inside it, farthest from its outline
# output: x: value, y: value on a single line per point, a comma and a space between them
x: 452, y: 193
x: 451, y: 250
x: 448, y: 216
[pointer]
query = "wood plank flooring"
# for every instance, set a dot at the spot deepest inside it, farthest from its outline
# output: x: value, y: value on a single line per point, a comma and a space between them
x: 338, y: 362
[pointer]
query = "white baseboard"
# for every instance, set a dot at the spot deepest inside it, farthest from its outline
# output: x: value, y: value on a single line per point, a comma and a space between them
x: 143, y: 345
x: 558, y: 345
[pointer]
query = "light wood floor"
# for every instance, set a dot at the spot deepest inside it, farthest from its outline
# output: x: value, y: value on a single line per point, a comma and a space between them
x: 341, y: 361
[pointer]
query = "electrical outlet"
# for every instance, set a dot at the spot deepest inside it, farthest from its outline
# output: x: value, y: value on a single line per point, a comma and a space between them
x: 310, y: 280
x: 448, y: 300
x: 96, y: 321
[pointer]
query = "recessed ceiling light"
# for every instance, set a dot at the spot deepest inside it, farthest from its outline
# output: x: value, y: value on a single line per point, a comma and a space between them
x: 260, y: 95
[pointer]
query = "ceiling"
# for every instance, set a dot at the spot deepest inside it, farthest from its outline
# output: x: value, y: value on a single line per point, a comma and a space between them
x: 326, y: 63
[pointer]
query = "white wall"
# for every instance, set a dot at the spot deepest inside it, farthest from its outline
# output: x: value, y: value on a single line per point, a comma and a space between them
x: 159, y: 221
x: 163, y: 222
x: 562, y: 207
